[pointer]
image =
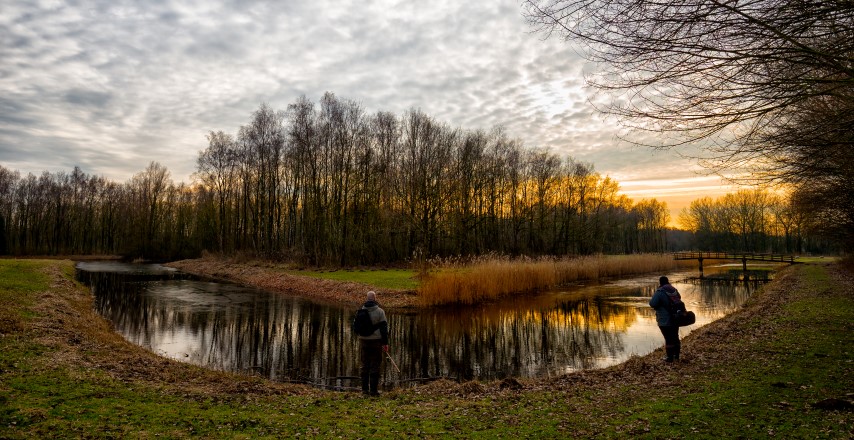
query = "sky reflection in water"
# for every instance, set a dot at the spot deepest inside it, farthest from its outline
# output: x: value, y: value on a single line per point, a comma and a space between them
x: 235, y: 328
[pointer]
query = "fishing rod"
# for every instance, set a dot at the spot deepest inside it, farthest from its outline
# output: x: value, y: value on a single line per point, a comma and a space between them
x: 392, y: 362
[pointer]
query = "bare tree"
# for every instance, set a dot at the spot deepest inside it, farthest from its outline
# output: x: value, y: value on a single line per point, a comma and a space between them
x: 746, y: 220
x: 149, y: 189
x: 304, y: 201
x: 750, y: 211
x: 651, y: 218
x: 765, y: 86
x: 217, y: 169
x: 544, y: 168
x: 8, y: 182
x: 385, y: 240
x: 426, y: 152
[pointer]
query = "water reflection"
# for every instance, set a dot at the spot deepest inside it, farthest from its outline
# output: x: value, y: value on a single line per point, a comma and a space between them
x: 234, y: 328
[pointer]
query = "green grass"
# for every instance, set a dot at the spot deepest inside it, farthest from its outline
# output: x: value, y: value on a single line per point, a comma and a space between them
x: 804, y: 356
x: 19, y: 280
x: 23, y: 276
x: 397, y: 279
x: 808, y: 360
x: 817, y: 259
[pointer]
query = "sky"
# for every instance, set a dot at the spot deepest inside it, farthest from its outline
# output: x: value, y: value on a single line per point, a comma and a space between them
x: 111, y: 85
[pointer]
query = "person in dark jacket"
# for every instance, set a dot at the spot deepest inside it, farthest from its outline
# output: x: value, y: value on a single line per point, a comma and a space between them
x: 664, y: 300
x: 373, y: 346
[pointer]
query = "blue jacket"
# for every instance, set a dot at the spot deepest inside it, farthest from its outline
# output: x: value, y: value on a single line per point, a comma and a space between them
x: 661, y: 303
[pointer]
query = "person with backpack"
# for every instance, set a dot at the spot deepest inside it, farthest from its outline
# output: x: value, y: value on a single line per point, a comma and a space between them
x: 372, y: 329
x: 666, y: 300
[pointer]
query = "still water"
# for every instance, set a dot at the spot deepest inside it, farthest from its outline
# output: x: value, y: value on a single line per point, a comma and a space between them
x: 235, y: 328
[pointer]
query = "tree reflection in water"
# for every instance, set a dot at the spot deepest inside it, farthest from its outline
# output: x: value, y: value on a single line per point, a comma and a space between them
x: 234, y: 328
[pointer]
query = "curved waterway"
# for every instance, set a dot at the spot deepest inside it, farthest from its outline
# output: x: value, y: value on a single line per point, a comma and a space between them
x: 234, y: 328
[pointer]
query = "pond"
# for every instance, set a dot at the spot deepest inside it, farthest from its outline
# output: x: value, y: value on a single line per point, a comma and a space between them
x: 235, y: 328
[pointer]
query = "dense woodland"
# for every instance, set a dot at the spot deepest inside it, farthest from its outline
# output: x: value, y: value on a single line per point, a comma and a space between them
x: 329, y: 184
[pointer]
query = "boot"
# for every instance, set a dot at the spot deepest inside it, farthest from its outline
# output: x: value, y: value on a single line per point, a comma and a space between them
x: 365, y: 384
x: 375, y: 381
x: 670, y: 355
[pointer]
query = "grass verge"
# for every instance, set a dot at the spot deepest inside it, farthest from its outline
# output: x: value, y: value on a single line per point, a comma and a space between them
x: 781, y: 366
x: 397, y: 279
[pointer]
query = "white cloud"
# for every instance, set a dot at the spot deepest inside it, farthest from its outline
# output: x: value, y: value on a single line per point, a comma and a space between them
x: 111, y: 85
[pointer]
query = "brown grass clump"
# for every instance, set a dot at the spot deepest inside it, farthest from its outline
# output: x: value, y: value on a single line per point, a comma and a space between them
x: 497, y: 277
x: 10, y: 323
x: 446, y: 387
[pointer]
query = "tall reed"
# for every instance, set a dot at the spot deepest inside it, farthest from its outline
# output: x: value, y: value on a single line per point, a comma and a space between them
x: 490, y: 279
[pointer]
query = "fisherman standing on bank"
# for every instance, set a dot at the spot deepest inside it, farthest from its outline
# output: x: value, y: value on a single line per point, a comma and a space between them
x: 371, y: 343
x: 664, y: 301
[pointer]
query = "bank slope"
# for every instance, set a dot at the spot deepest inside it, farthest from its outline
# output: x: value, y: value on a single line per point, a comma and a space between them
x: 781, y: 366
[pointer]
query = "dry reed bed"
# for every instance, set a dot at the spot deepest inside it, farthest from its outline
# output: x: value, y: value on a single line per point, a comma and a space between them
x: 488, y: 280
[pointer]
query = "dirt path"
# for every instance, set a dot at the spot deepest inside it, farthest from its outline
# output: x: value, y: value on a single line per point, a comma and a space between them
x: 275, y: 279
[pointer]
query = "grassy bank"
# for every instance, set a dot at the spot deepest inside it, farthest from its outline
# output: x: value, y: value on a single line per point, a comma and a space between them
x: 767, y: 370
x: 497, y: 277
x: 394, y: 279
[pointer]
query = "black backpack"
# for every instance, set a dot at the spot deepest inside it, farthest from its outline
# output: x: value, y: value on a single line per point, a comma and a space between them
x: 681, y: 316
x: 362, y: 323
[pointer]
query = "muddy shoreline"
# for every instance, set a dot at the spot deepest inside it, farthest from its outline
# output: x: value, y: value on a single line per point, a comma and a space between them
x: 272, y: 277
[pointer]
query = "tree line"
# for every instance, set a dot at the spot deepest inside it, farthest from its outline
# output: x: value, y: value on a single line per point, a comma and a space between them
x: 754, y: 220
x: 330, y: 184
x: 79, y: 214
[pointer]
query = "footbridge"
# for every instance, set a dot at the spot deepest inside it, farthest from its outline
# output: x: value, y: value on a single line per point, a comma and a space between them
x: 738, y: 256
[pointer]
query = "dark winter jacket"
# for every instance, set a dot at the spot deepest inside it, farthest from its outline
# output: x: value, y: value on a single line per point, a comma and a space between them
x: 378, y: 319
x: 662, y: 301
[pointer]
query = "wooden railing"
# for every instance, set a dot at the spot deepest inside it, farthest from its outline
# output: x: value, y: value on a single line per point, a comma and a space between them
x: 700, y: 256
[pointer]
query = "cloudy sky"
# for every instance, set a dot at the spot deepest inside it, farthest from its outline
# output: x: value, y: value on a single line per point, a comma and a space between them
x: 111, y: 85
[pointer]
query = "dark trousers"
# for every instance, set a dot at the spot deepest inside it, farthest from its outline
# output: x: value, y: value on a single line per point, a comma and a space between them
x: 372, y: 357
x: 671, y: 341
